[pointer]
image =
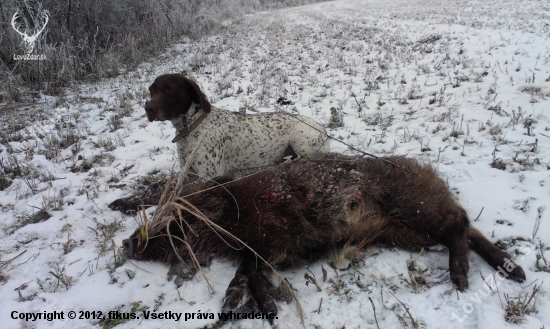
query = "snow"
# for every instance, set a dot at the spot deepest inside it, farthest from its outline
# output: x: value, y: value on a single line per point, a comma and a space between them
x: 449, y: 83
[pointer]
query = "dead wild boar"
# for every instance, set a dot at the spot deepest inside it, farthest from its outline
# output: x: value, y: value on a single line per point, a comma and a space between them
x: 300, y: 211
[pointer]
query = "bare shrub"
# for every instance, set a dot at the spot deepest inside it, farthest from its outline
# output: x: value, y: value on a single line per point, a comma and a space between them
x: 90, y: 40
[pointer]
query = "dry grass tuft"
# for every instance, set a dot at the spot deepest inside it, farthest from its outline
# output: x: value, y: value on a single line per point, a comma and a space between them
x: 518, y: 307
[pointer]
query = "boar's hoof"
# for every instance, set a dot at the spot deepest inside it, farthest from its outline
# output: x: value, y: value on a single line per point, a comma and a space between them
x: 261, y: 288
x: 126, y: 205
x: 459, y: 274
x: 250, y: 279
x: 517, y: 274
x: 235, y: 293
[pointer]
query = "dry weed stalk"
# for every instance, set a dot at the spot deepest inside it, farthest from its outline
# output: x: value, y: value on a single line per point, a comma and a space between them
x: 413, y: 320
x: 350, y: 146
x: 517, y: 309
x: 5, y: 263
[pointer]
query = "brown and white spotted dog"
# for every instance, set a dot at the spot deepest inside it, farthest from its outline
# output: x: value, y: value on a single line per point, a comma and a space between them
x: 230, y: 140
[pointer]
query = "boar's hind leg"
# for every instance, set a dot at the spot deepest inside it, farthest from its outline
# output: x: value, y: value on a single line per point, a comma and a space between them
x: 458, y: 259
x: 450, y: 228
x: 448, y: 225
x: 494, y: 256
x: 415, y: 238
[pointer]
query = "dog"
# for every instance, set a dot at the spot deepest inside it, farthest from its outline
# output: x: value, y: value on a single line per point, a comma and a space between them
x: 230, y: 140
x: 299, y: 211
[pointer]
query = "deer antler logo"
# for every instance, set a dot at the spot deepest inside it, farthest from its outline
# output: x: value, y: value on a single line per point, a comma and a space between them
x: 30, y: 40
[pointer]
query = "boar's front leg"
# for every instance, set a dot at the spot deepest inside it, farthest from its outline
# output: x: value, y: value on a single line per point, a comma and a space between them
x: 148, y: 196
x: 251, y: 273
x: 260, y: 288
x: 237, y: 289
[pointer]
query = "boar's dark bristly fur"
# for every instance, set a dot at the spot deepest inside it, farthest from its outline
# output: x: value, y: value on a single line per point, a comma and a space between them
x: 303, y: 210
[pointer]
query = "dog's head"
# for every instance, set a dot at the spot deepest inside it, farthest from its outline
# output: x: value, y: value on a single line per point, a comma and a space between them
x: 172, y: 95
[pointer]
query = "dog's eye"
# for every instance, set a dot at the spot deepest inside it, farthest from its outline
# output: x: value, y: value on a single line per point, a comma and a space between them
x: 169, y: 89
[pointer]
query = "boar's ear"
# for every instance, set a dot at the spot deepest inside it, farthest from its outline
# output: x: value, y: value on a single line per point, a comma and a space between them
x: 197, y: 95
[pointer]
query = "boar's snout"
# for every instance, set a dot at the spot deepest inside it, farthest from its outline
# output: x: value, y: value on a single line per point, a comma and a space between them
x: 128, y: 246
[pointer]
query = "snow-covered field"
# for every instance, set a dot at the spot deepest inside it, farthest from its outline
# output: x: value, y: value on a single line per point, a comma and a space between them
x: 463, y: 84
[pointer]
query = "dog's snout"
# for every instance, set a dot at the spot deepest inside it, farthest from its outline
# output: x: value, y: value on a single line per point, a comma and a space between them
x: 128, y: 246
x: 151, y: 111
x: 149, y: 108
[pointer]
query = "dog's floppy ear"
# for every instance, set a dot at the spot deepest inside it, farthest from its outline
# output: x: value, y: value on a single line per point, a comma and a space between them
x: 197, y: 95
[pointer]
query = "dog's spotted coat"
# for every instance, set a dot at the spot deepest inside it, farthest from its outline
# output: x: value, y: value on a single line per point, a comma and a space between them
x: 234, y: 141
x: 230, y: 141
